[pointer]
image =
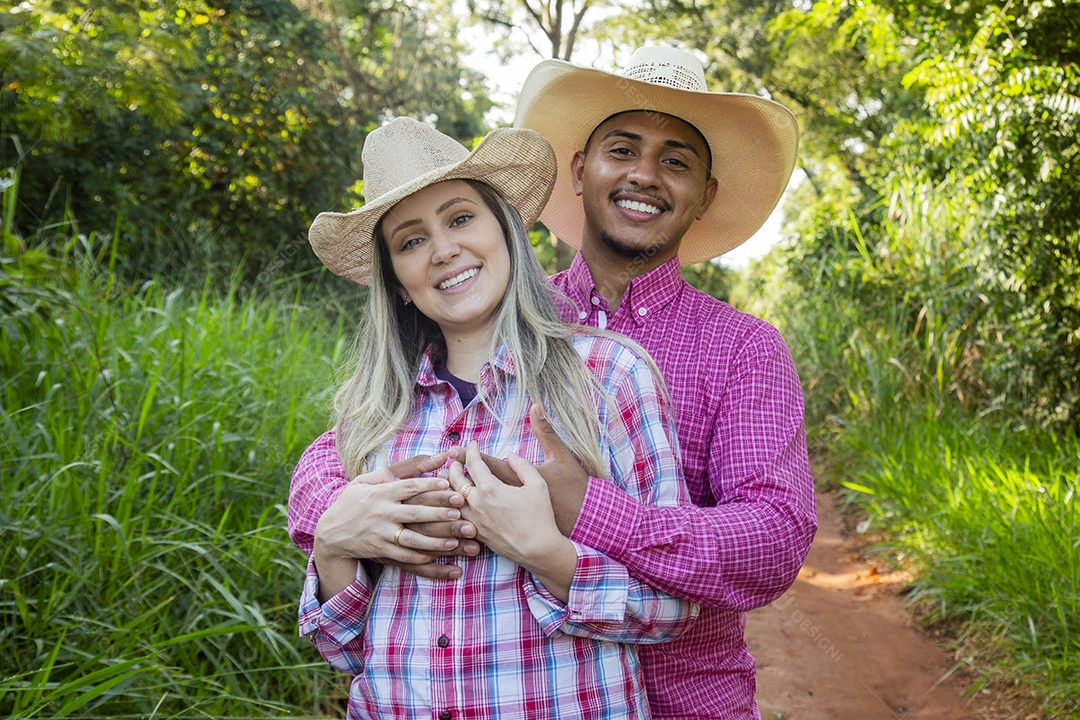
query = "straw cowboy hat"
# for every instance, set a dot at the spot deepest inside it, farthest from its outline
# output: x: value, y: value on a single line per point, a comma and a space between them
x: 405, y: 156
x: 753, y: 140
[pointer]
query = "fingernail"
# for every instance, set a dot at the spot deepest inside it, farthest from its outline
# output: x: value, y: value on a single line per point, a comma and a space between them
x: 453, y: 514
x: 450, y: 544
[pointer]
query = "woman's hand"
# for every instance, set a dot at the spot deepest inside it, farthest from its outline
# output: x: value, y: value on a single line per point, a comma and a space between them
x: 516, y: 522
x: 367, y: 521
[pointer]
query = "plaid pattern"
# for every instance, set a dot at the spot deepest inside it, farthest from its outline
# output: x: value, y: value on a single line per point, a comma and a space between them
x: 495, y: 644
x: 739, y: 415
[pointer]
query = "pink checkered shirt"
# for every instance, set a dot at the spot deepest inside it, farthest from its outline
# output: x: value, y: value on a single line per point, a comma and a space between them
x: 739, y: 414
x: 495, y: 644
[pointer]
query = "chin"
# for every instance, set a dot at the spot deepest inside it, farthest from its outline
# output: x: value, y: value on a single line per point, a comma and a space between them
x: 628, y: 250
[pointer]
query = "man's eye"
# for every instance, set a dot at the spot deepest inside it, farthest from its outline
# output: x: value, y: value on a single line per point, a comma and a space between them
x: 675, y: 162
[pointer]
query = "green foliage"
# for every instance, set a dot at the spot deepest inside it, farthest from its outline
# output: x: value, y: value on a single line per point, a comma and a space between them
x: 910, y: 112
x: 990, y: 520
x: 215, y: 130
x: 981, y: 509
x: 145, y: 567
x: 711, y: 278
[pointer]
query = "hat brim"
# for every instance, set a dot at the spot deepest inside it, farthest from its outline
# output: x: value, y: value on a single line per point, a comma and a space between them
x: 518, y: 163
x: 754, y: 144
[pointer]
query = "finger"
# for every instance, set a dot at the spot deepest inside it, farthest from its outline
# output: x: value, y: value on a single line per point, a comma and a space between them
x: 417, y: 466
x: 429, y: 570
x: 550, y: 443
x: 479, y: 473
x: 448, y: 529
x: 456, y: 476
x: 410, y: 540
x: 465, y: 548
x: 400, y: 490
x: 525, y: 470
x: 500, y: 469
x: 438, y: 498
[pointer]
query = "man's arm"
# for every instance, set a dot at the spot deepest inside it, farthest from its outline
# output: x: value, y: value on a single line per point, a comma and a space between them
x: 746, y: 551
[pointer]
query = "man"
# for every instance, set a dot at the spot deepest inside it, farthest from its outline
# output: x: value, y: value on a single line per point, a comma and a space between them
x: 667, y: 171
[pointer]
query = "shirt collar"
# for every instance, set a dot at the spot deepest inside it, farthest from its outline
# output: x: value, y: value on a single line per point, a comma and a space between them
x: 650, y: 292
x: 503, y: 361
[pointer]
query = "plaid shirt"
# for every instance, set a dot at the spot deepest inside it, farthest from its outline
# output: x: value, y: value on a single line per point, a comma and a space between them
x: 496, y: 643
x: 739, y: 414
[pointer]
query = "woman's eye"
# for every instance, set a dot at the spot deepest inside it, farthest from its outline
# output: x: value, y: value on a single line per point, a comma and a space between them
x: 461, y: 219
x: 412, y: 242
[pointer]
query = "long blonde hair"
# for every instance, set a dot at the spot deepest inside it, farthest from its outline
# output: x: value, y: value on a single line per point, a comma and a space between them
x: 374, y: 403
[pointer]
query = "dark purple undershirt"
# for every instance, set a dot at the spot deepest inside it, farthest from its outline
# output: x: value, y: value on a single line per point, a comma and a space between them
x: 465, y: 389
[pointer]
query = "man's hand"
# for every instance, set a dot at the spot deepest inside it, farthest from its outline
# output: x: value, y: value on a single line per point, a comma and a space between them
x: 567, y: 481
x: 460, y: 530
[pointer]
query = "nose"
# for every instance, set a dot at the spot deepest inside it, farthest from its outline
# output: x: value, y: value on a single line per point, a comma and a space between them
x: 445, y: 248
x: 644, y: 171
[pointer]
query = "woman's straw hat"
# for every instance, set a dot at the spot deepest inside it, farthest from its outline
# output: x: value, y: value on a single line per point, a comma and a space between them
x: 753, y: 141
x: 405, y: 156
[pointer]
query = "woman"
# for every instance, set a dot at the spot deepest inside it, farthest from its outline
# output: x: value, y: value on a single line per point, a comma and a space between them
x: 462, y: 337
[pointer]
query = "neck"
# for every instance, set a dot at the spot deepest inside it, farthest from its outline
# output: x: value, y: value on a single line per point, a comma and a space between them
x: 612, y: 272
x: 466, y: 353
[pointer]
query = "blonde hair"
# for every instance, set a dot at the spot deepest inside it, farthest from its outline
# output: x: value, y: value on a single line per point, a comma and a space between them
x: 374, y: 403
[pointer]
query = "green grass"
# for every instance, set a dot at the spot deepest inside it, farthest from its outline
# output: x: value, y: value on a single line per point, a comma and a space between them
x: 150, y: 433
x: 898, y: 353
x: 990, y: 521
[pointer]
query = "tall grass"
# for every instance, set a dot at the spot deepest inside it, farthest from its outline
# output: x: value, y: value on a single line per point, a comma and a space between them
x: 990, y: 520
x: 914, y: 396
x: 149, y: 434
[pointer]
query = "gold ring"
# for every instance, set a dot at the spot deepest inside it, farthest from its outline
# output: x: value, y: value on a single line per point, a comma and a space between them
x: 466, y: 490
x: 398, y: 535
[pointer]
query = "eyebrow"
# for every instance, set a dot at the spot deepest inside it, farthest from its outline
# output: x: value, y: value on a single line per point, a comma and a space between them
x: 672, y: 143
x: 409, y: 223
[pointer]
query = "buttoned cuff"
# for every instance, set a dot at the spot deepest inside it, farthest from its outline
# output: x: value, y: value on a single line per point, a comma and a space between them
x: 342, y: 618
x: 599, y: 592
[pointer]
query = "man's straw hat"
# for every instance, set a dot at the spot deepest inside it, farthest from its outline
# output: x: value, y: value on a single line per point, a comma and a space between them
x: 753, y: 141
x: 405, y: 156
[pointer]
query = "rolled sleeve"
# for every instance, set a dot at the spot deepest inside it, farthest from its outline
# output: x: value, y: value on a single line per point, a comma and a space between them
x: 605, y: 603
x: 336, y: 627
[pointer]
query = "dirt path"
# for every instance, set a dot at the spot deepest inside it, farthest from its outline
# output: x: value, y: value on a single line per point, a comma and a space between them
x: 840, y: 646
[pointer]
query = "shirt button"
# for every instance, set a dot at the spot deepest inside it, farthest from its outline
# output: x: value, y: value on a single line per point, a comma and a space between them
x: 582, y: 315
x: 445, y: 715
x: 443, y: 641
x: 595, y: 300
x: 642, y: 312
x: 454, y: 436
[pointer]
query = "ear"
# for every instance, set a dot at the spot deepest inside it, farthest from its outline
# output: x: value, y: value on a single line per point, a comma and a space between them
x: 707, y: 197
x: 404, y: 295
x: 577, y: 171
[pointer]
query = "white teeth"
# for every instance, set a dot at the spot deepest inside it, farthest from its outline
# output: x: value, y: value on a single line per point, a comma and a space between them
x: 638, y: 206
x: 457, y: 279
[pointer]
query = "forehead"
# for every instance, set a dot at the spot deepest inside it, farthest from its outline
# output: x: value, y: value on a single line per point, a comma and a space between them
x: 431, y: 197
x: 652, y: 127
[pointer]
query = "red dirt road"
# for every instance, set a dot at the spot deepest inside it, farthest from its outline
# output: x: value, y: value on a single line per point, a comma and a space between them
x: 839, y: 645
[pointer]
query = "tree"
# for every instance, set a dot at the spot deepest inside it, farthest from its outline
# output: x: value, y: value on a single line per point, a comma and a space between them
x: 560, y: 21
x: 211, y: 131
